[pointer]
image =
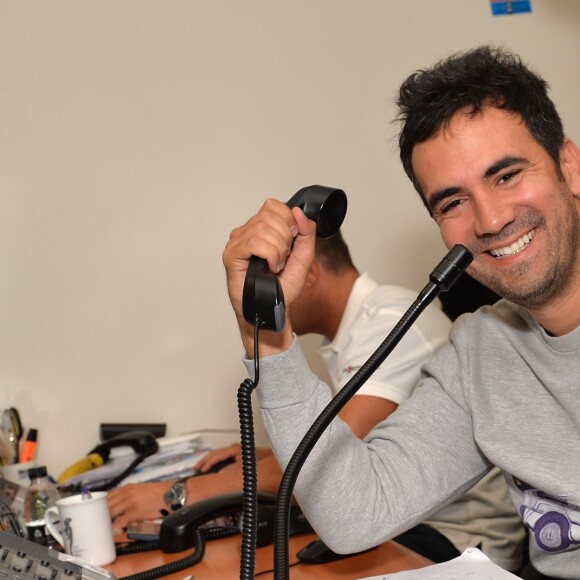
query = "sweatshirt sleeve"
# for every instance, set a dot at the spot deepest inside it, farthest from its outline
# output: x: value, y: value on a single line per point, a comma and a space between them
x: 357, y: 494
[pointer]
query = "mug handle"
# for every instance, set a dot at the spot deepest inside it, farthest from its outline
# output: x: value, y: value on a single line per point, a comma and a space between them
x: 49, y: 514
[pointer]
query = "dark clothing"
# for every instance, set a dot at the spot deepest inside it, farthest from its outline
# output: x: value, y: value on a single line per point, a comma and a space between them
x: 428, y: 542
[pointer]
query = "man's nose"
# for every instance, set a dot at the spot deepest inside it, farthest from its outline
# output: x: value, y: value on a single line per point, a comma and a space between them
x: 492, y: 215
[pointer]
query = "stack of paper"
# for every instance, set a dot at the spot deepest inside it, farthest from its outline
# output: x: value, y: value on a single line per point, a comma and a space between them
x: 471, y: 565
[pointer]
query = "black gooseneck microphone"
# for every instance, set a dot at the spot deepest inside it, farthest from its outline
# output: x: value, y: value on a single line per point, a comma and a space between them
x: 445, y: 274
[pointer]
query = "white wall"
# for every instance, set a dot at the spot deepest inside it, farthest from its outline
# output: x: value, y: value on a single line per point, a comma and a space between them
x: 135, y: 135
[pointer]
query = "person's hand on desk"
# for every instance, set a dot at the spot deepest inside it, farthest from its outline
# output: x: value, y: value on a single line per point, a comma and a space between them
x: 136, y: 502
x: 233, y: 451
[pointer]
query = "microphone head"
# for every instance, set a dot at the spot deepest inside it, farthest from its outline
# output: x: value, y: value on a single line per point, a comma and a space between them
x: 447, y: 272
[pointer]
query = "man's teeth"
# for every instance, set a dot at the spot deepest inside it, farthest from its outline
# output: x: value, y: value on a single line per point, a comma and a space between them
x: 514, y: 248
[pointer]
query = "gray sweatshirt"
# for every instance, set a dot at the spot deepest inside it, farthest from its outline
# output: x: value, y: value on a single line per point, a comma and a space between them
x: 501, y: 393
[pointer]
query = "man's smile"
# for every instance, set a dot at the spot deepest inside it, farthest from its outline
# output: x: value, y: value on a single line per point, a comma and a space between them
x: 514, y: 248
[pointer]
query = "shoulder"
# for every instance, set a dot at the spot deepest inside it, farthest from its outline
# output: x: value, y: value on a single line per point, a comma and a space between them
x: 385, y: 306
x: 476, y: 338
x: 501, y: 317
x: 394, y: 299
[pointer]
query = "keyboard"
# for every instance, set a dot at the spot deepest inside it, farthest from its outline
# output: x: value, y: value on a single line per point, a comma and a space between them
x: 21, y: 559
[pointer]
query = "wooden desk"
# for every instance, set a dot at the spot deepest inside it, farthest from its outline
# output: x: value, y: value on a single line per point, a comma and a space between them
x: 222, y: 562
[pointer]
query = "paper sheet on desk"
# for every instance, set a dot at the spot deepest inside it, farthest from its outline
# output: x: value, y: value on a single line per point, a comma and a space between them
x: 471, y: 565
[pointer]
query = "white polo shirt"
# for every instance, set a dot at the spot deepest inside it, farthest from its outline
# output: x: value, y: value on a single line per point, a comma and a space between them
x: 371, y: 314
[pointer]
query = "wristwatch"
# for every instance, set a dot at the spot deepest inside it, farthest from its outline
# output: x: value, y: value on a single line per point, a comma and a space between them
x: 176, y: 495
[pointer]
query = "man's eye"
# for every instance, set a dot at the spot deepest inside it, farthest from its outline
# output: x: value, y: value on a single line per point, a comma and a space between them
x: 449, y: 206
x: 506, y: 177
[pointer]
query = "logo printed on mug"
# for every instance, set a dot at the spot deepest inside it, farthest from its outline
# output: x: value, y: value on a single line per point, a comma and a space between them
x: 67, y: 534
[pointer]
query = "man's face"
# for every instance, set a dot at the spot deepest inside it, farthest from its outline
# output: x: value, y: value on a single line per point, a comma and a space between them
x: 491, y: 187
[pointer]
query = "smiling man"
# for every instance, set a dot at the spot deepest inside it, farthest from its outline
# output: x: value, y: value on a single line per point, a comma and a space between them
x: 515, y: 212
x: 485, y: 148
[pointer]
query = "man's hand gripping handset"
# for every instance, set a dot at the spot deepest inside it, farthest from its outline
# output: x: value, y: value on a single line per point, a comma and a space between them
x: 285, y: 238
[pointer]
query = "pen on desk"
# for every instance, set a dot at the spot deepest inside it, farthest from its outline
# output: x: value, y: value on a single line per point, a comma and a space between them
x: 29, y: 447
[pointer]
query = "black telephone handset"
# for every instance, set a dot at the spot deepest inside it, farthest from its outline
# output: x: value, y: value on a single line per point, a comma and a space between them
x: 262, y: 295
x: 178, y: 529
x: 142, y: 442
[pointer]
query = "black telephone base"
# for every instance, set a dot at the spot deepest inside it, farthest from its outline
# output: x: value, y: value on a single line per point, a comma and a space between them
x: 178, y: 529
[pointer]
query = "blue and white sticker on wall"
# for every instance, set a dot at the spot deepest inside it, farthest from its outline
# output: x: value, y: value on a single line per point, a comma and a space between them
x: 501, y: 7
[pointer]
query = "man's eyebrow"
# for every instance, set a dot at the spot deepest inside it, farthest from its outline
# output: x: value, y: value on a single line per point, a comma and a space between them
x: 438, y: 196
x: 502, y: 163
x: 508, y: 161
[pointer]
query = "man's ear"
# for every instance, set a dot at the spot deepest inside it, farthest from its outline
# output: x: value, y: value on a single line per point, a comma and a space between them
x: 570, y: 164
x: 313, y: 274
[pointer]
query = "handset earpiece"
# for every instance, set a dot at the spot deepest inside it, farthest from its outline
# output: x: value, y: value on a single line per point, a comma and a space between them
x: 262, y: 297
x: 324, y: 205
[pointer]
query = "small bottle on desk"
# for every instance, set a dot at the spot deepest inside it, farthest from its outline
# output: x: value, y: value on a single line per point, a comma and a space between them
x: 41, y: 495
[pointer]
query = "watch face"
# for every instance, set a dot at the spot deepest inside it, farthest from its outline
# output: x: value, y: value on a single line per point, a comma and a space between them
x: 175, y: 495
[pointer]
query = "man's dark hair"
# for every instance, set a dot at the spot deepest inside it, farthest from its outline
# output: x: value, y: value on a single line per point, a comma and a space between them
x: 484, y: 76
x: 333, y: 254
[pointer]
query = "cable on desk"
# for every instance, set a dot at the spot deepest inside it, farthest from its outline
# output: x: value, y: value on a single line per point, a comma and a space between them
x: 201, y: 535
x: 213, y: 533
x: 137, y: 547
x: 271, y: 570
x: 173, y: 567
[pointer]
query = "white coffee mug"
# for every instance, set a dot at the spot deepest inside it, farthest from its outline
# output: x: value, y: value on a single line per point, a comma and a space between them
x: 83, y: 527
